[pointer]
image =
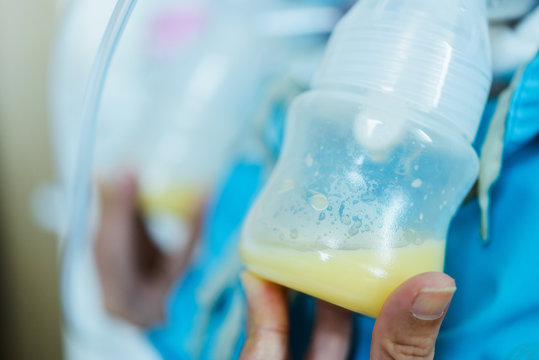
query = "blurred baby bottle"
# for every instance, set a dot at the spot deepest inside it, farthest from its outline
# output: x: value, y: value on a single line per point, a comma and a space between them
x: 377, y: 156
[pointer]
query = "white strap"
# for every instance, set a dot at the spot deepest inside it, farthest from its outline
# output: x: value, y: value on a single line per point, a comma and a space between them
x: 492, y: 152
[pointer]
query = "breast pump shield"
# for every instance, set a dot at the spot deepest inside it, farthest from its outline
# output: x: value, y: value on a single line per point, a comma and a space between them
x: 377, y: 158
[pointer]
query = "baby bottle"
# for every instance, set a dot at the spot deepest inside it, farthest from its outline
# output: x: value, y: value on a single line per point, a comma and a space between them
x: 377, y: 156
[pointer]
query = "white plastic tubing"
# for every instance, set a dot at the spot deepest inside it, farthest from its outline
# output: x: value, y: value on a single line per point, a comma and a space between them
x: 78, y: 229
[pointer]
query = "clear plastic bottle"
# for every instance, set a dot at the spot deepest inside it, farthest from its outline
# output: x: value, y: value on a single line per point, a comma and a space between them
x: 377, y: 157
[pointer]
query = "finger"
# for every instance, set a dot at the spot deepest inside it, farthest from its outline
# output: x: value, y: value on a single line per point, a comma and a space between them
x: 331, y: 334
x: 410, y: 320
x: 118, y: 199
x: 117, y: 216
x: 117, y: 212
x: 112, y: 250
x: 268, y: 320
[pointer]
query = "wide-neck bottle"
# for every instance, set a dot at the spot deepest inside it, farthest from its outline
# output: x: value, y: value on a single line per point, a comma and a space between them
x: 377, y: 156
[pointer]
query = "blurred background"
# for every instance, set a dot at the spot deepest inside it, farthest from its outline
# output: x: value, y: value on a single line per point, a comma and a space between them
x: 169, y: 85
x: 29, y: 301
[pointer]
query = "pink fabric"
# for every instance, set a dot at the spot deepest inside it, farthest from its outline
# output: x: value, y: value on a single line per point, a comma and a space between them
x: 174, y: 30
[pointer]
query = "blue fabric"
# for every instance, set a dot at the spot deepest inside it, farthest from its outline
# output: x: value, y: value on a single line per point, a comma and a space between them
x: 174, y: 339
x: 496, y: 307
x: 495, y: 311
x: 523, y: 117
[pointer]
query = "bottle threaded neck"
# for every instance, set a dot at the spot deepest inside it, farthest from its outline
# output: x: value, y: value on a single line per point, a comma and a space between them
x: 434, y: 55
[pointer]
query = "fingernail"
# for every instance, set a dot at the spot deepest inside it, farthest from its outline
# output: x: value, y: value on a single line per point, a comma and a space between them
x: 431, y: 303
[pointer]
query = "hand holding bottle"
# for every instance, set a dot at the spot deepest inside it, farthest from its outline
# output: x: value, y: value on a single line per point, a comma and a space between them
x: 136, y: 276
x: 407, y: 326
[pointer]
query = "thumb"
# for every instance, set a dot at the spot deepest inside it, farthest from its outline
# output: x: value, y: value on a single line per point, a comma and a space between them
x: 410, y: 319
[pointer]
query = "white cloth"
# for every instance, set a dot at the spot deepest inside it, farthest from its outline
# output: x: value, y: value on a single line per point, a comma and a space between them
x: 513, y: 46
